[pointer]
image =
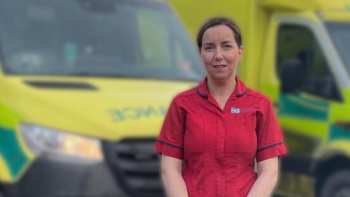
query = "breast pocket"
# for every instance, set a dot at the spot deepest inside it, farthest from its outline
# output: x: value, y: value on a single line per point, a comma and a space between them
x: 194, y: 134
x: 240, y: 133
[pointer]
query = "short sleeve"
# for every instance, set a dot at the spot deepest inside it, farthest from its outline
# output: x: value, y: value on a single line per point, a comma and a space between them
x: 170, y: 140
x: 270, y: 140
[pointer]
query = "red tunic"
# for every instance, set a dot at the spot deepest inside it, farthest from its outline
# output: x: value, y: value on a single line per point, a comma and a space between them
x: 219, y: 146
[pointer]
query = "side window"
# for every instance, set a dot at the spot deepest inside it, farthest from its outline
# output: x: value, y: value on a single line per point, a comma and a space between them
x: 298, y: 42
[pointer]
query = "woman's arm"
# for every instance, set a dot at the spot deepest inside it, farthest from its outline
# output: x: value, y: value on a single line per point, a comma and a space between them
x: 267, y: 178
x: 174, y: 184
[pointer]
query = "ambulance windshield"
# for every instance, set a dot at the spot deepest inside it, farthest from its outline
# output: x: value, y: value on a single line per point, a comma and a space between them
x: 114, y: 38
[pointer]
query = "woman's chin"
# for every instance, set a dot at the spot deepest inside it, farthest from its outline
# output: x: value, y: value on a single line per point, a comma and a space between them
x: 220, y: 77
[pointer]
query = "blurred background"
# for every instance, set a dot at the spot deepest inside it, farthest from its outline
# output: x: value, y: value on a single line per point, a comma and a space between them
x: 85, y: 86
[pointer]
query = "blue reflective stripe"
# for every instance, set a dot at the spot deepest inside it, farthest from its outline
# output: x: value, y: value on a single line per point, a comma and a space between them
x: 300, y: 107
x: 11, y: 151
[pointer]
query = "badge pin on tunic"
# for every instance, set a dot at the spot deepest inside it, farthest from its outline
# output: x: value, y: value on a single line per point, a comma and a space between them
x: 235, y: 110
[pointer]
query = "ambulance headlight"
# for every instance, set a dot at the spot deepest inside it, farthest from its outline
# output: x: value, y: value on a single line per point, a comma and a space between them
x: 61, y: 146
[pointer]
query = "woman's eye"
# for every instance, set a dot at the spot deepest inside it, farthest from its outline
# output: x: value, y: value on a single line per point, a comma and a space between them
x: 208, y: 48
x: 227, y: 46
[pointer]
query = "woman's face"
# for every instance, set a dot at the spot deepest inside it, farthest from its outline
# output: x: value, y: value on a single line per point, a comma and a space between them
x: 220, y: 53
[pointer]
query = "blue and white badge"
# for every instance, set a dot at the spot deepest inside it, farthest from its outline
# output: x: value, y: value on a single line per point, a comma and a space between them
x: 235, y: 111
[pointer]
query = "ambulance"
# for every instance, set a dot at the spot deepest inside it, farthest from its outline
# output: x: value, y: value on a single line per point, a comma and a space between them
x: 298, y: 54
x: 84, y: 87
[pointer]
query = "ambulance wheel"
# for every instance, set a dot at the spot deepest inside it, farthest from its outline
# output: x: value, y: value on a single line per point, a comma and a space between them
x: 337, y: 185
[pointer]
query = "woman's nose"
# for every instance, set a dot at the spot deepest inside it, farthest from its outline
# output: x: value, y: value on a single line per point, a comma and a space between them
x: 218, y: 55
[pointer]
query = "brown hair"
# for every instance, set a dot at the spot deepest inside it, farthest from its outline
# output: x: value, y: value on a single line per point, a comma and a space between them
x: 220, y: 21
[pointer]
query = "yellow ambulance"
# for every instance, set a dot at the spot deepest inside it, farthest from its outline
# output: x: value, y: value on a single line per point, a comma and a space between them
x: 298, y: 53
x: 84, y: 87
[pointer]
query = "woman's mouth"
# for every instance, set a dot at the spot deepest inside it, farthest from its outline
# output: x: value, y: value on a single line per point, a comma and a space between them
x: 219, y: 67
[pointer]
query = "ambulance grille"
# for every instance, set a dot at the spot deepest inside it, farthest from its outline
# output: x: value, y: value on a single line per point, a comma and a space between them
x: 135, y: 165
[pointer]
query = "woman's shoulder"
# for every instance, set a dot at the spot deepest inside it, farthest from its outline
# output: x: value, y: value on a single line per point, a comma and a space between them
x: 186, y: 94
x: 257, y: 95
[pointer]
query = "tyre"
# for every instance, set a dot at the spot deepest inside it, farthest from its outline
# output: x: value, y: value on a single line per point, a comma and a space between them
x: 337, y: 185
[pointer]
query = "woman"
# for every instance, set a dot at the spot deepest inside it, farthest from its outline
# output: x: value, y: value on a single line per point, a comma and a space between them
x: 213, y: 133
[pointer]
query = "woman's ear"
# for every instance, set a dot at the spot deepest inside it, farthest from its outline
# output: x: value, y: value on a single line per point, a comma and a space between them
x: 240, y: 52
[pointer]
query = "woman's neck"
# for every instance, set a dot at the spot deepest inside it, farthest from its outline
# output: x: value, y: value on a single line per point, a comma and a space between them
x: 222, y: 88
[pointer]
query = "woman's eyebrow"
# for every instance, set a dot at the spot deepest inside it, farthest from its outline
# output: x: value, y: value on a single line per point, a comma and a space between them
x: 223, y: 42
x: 226, y: 42
x: 209, y: 43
